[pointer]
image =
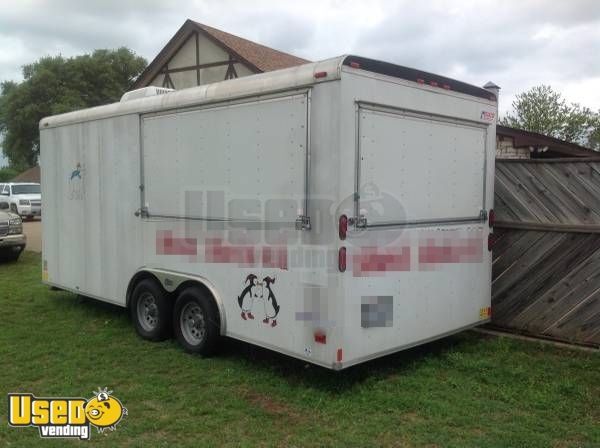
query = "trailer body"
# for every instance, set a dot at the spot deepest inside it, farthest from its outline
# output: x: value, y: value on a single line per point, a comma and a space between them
x: 335, y: 211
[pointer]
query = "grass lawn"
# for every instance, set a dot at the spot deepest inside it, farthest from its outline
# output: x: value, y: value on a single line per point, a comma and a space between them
x: 466, y: 390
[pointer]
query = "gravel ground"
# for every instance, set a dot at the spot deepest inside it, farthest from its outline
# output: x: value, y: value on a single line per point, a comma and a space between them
x: 33, y: 230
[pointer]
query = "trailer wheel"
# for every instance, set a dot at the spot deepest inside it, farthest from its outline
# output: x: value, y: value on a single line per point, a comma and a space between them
x: 196, y: 322
x: 151, y: 311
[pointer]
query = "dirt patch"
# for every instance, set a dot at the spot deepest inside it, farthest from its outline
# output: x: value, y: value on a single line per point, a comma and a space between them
x: 411, y: 417
x: 33, y: 230
x: 270, y: 405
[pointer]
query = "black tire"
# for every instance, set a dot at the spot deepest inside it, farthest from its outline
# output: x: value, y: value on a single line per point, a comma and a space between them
x: 10, y: 256
x: 196, y: 322
x: 151, y: 311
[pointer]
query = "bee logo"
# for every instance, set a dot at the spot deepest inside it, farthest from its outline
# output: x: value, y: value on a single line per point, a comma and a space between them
x: 104, y: 411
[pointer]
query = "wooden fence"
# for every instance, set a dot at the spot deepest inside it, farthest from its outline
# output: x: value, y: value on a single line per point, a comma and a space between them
x: 546, y: 269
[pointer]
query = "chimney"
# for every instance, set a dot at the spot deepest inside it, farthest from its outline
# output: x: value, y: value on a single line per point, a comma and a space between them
x: 491, y: 87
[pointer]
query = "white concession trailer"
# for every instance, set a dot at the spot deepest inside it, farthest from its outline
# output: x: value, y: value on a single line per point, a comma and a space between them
x: 336, y: 211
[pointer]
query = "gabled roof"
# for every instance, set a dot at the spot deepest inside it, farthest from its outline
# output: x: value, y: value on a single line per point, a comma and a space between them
x: 256, y: 57
x: 30, y: 175
x: 263, y: 58
x: 556, y: 147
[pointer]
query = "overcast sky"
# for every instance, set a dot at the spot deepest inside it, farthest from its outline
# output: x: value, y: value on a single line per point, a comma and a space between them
x: 516, y: 44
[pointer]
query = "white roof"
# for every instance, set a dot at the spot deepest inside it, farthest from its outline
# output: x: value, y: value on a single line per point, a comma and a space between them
x: 289, y: 78
x: 270, y: 82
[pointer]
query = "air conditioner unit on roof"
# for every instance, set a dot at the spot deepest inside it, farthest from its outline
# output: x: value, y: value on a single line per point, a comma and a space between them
x: 145, y: 92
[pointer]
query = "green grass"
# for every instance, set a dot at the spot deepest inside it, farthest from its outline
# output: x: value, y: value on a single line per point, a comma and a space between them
x: 466, y: 390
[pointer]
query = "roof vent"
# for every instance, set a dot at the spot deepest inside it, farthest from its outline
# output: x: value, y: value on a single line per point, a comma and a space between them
x: 144, y: 92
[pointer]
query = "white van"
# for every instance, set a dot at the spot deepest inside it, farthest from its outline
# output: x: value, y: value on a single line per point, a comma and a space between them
x: 335, y: 211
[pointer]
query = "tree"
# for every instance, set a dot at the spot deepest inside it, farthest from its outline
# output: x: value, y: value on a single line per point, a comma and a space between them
x: 594, y: 138
x: 542, y: 110
x: 7, y: 174
x: 53, y: 85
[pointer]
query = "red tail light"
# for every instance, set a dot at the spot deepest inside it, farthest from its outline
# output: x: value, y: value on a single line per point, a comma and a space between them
x: 420, y: 81
x: 320, y: 337
x: 491, y: 218
x: 354, y: 65
x: 433, y: 83
x: 343, y: 227
x: 342, y: 259
x: 446, y: 86
x: 320, y: 74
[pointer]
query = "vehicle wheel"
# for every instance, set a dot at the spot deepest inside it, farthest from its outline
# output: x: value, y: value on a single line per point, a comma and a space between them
x: 151, y: 311
x: 10, y: 256
x: 196, y: 322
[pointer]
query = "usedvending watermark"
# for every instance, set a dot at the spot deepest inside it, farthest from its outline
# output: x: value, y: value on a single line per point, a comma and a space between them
x: 66, y: 417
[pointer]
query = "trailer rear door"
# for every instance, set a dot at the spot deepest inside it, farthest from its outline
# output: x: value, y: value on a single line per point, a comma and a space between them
x: 434, y: 167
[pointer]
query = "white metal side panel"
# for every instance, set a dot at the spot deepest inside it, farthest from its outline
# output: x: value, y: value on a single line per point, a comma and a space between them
x: 254, y: 150
x: 433, y: 167
x: 307, y: 283
x: 91, y: 243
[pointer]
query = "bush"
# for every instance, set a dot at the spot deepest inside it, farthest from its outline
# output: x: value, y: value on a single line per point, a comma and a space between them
x: 7, y: 174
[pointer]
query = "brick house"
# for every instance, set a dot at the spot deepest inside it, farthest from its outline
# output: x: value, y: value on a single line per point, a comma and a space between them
x: 514, y: 143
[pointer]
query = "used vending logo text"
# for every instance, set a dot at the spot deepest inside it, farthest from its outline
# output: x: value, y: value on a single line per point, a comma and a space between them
x: 62, y: 417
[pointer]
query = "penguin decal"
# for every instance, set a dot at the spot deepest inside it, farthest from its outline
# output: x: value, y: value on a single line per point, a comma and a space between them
x: 252, y: 291
x: 259, y: 290
x: 270, y: 302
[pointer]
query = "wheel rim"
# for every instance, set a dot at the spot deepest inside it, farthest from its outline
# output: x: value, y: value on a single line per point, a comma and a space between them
x: 147, y: 312
x: 192, y: 324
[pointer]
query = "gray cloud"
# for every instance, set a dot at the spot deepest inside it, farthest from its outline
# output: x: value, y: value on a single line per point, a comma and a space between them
x: 517, y: 44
